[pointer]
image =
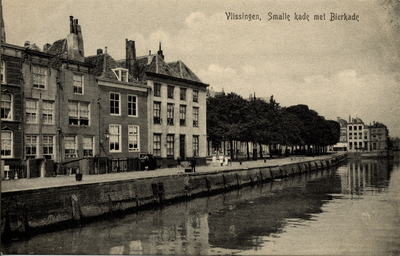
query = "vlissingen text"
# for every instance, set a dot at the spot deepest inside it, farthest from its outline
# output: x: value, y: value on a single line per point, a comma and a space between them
x: 242, y: 16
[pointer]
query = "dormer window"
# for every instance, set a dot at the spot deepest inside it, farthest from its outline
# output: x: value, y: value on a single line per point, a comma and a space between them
x: 121, y: 73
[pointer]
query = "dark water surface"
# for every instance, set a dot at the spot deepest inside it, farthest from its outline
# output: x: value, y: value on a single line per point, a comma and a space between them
x: 350, y: 210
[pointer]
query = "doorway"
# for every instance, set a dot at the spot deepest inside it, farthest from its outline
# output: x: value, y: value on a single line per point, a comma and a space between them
x: 182, y: 146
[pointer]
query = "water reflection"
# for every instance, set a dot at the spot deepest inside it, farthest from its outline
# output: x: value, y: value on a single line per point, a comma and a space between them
x: 366, y: 176
x: 253, y: 220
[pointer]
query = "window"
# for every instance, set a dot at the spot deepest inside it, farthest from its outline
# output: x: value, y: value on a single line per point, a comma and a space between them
x: 114, y: 103
x: 132, y: 105
x: 360, y: 127
x: 182, y: 115
x: 121, y: 74
x: 355, y: 128
x: 48, y: 112
x: 6, y: 144
x: 115, y: 138
x: 31, y: 111
x: 195, y: 96
x: 3, y: 72
x: 350, y: 145
x: 360, y: 144
x: 48, y: 146
x: 157, y: 145
x: 39, y: 77
x: 88, y: 146
x: 157, y: 113
x: 350, y: 137
x: 133, y: 138
x: 195, y: 117
x: 157, y: 89
x: 170, y: 145
x: 360, y: 135
x: 31, y: 146
x: 350, y: 128
x: 70, y: 146
x: 78, y: 113
x: 195, y: 145
x: 170, y: 92
x: 183, y: 94
x: 6, y: 106
x: 170, y: 114
x: 78, y: 83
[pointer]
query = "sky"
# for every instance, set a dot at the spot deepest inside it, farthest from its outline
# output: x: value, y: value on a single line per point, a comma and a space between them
x: 339, y: 68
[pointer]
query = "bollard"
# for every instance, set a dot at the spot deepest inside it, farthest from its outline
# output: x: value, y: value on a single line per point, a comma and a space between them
x: 240, y: 162
x: 265, y: 161
x: 78, y: 177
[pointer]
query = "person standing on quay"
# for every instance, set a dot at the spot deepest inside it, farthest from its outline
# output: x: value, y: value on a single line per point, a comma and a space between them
x: 193, y: 164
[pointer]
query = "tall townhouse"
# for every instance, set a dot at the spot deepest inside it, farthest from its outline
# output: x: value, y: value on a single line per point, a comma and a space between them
x: 77, y: 125
x: 122, y: 104
x: 40, y: 109
x: 177, y: 109
x: 378, y: 136
x: 355, y: 135
x: 11, y: 107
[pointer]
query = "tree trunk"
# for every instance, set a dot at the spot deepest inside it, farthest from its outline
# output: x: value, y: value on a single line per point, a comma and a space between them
x: 231, y: 143
x: 248, y: 151
x: 261, y: 154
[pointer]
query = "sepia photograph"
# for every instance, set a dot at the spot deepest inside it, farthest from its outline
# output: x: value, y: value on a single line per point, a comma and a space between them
x: 200, y: 127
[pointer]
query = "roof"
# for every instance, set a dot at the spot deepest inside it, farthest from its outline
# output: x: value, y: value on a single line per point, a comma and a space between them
x: 97, y: 61
x: 183, y: 71
x: 58, y: 47
x: 155, y: 64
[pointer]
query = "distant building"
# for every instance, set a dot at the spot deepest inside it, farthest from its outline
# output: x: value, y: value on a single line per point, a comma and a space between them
x: 378, y: 136
x: 361, y: 137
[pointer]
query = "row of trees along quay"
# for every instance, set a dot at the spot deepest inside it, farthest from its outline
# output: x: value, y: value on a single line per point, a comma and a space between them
x: 231, y: 118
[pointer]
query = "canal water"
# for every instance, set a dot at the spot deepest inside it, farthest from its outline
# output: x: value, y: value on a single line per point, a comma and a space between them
x: 353, y: 209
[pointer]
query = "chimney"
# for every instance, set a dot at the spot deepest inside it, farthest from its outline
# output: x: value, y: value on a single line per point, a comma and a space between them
x: 99, y: 51
x: 27, y: 44
x: 71, y: 24
x: 105, y: 62
x: 75, y: 41
x: 130, y: 57
x: 46, y: 47
x: 160, y: 52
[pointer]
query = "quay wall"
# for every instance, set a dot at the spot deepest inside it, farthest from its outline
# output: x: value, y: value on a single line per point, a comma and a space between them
x: 27, y: 210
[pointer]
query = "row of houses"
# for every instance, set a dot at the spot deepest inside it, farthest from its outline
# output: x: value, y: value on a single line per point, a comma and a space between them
x: 355, y: 136
x: 58, y: 104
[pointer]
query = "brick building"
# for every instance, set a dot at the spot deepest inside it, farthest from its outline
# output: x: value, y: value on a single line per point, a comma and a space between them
x: 62, y: 110
x: 11, y: 107
x: 77, y: 94
x: 122, y: 103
